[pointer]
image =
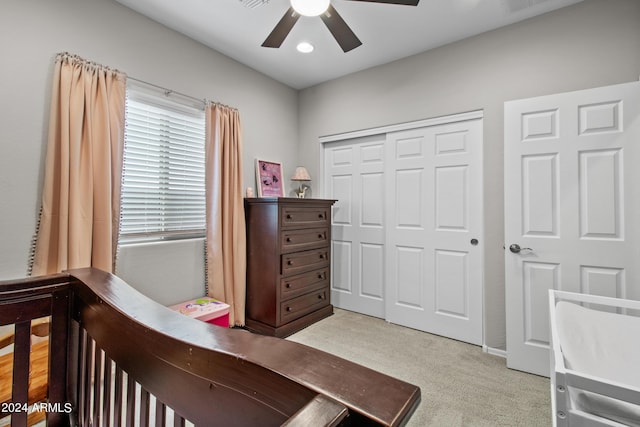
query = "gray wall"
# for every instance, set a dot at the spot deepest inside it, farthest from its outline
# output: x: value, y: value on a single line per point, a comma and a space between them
x: 33, y: 31
x: 593, y: 43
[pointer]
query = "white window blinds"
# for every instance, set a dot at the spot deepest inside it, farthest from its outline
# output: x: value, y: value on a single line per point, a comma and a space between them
x: 163, y: 193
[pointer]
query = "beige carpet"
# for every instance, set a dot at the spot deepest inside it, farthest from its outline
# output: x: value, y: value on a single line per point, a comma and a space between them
x: 460, y: 384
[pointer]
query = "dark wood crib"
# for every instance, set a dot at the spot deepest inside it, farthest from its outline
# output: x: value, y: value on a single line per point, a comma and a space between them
x: 117, y: 358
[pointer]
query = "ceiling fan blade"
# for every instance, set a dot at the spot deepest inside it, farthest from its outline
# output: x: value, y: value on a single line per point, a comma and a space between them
x: 340, y: 30
x: 401, y: 2
x: 282, y: 29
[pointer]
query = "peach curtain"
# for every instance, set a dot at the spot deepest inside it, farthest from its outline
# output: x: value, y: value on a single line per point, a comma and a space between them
x: 81, y: 194
x: 225, y: 236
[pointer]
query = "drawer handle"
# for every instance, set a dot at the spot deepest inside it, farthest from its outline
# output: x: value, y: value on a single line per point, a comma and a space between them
x: 321, y: 256
x: 288, y: 239
x: 288, y: 216
x: 289, y: 309
x: 321, y: 216
x: 321, y: 276
x: 320, y: 236
x: 321, y: 296
x: 289, y: 262
x: 287, y: 285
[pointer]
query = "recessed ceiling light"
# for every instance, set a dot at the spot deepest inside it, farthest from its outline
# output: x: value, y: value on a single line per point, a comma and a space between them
x: 305, y: 47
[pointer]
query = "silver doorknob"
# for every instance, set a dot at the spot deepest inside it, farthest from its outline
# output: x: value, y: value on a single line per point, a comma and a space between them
x: 516, y: 249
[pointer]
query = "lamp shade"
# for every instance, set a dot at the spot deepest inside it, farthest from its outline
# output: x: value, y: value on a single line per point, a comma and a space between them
x: 301, y: 174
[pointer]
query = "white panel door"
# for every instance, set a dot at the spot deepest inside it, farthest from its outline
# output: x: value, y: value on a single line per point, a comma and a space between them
x: 434, y: 230
x: 571, y: 206
x: 354, y: 176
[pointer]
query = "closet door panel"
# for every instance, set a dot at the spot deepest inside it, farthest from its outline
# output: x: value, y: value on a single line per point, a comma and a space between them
x: 434, y: 229
x: 354, y: 175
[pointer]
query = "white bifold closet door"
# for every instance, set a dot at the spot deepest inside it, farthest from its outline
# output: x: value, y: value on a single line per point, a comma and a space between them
x: 407, y: 227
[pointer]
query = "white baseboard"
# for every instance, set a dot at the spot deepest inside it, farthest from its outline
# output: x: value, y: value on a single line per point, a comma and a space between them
x: 494, y: 351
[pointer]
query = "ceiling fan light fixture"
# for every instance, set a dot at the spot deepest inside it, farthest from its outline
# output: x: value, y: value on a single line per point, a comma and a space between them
x: 305, y: 47
x: 310, y: 7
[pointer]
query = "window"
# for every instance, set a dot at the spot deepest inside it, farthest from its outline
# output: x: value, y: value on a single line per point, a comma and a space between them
x: 163, y: 192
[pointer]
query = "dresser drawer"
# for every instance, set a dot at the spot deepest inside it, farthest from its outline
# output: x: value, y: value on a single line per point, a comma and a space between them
x: 305, y: 304
x: 294, y: 216
x: 307, y: 238
x: 294, y: 286
x: 299, y: 262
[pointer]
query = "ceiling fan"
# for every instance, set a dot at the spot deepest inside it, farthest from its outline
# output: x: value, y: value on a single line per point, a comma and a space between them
x: 334, y: 22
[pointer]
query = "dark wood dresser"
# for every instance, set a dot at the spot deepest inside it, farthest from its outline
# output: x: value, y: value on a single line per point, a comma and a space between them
x: 288, y: 263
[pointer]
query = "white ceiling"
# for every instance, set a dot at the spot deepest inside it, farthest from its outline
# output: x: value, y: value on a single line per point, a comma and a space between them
x: 388, y: 32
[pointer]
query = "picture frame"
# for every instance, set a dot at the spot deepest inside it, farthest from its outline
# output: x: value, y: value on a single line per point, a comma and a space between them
x: 269, y: 180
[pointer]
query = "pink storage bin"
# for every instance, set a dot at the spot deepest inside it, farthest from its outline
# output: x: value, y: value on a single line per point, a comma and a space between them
x: 207, y: 309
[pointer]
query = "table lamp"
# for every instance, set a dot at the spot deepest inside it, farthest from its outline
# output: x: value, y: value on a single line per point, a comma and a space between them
x: 301, y: 175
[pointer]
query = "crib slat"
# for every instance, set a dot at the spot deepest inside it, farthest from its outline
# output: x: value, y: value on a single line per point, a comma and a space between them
x: 97, y: 385
x: 161, y: 414
x: 131, y: 402
x: 21, y: 357
x: 58, y: 333
x: 118, y: 398
x: 178, y: 421
x: 106, y: 402
x: 144, y: 407
x: 80, y: 374
x: 87, y: 347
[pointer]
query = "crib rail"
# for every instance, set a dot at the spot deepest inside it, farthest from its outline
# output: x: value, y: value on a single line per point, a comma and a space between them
x: 21, y: 302
x: 120, y: 359
x: 169, y: 358
x: 565, y: 381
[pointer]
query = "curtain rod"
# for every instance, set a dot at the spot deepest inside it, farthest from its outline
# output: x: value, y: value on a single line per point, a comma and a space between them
x: 66, y: 56
x: 168, y: 92
x: 204, y: 101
